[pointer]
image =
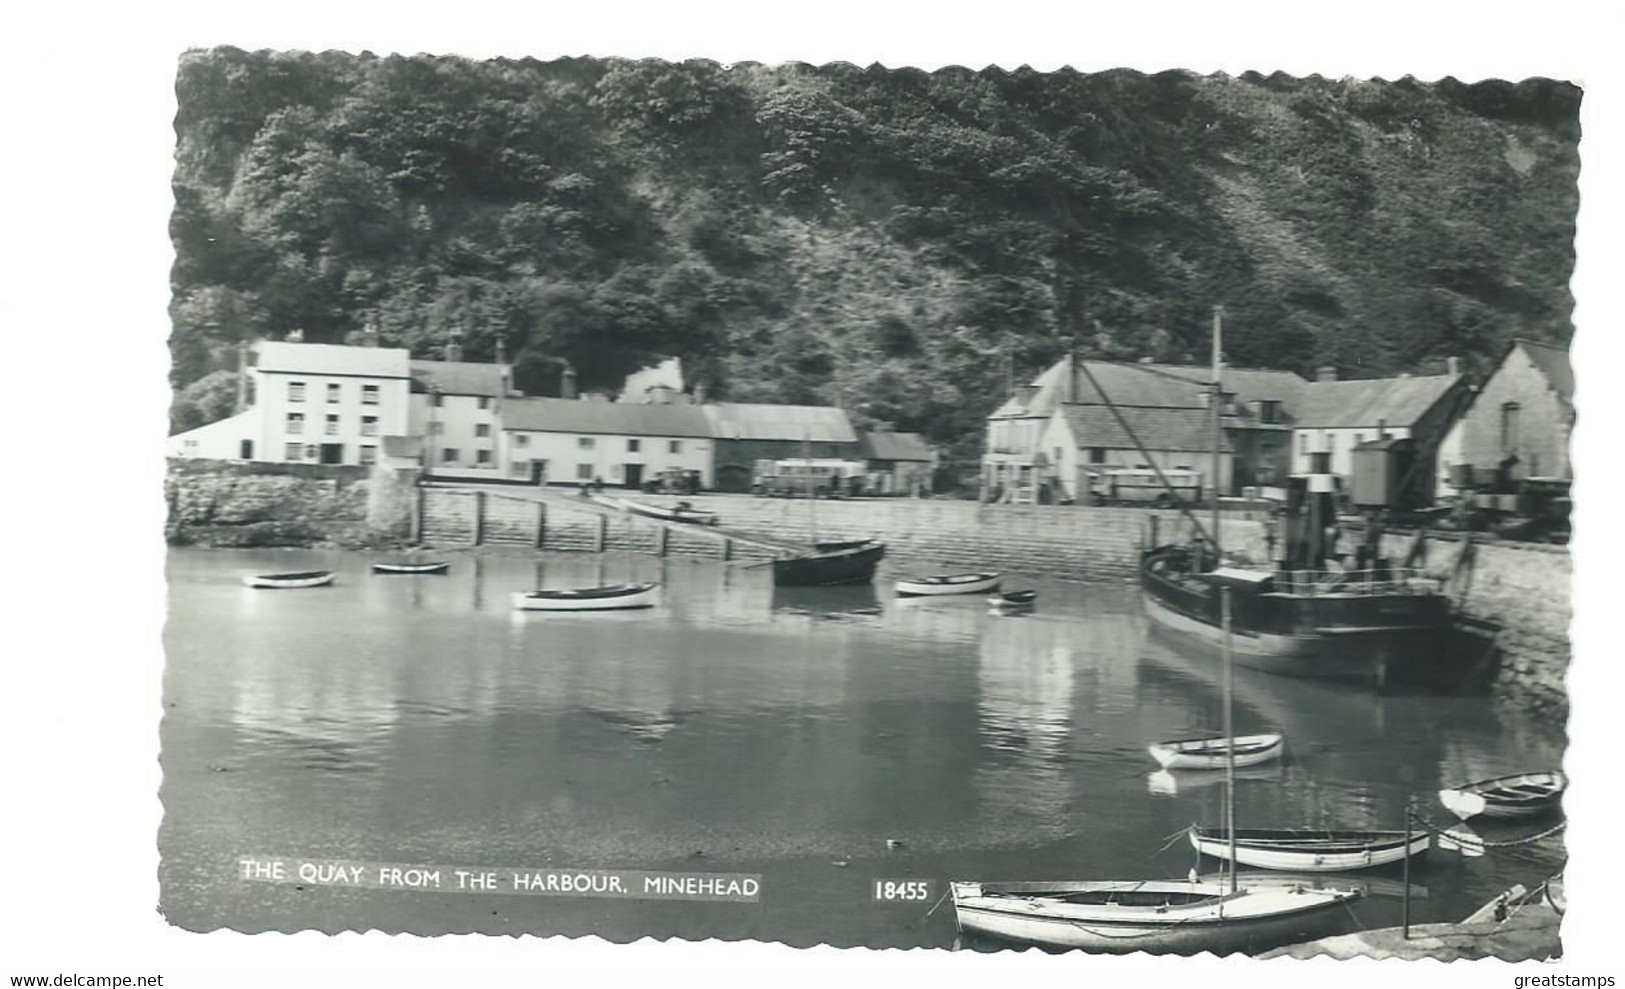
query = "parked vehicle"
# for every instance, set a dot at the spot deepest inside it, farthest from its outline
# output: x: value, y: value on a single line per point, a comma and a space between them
x: 1142, y: 486
x: 808, y: 477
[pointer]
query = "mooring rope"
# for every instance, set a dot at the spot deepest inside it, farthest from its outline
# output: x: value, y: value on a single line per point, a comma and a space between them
x: 1482, y: 844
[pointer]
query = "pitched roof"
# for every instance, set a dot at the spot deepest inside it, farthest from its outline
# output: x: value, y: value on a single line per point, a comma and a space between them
x: 1553, y: 363
x: 1151, y: 385
x: 282, y: 357
x: 748, y: 421
x: 1398, y: 402
x: 569, y: 415
x: 1183, y: 430
x: 896, y: 446
x: 462, y: 377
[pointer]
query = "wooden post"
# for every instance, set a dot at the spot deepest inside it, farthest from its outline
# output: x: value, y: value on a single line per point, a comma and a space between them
x: 727, y: 549
x: 417, y: 515
x: 479, y: 517
x: 601, y: 536
x: 1154, y: 542
x: 1406, y: 923
x: 662, y: 534
x: 541, y: 526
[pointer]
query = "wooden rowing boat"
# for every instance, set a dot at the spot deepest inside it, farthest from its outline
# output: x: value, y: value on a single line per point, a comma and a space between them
x: 679, y: 513
x: 412, y: 568
x: 941, y: 584
x: 610, y: 597
x: 1517, y: 795
x: 1210, y: 753
x: 1014, y: 599
x: 307, y: 578
x: 1153, y: 916
x: 1307, y: 849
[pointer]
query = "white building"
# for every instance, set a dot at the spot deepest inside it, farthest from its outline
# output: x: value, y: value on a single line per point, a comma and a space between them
x: 455, y: 406
x: 314, y: 403
x: 1084, y: 441
x: 562, y: 440
x: 1337, y: 416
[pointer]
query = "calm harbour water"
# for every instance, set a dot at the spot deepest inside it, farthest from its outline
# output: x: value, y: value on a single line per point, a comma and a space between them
x: 740, y: 729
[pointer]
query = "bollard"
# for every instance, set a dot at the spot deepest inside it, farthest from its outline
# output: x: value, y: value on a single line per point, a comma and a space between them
x: 479, y: 517
x: 727, y: 549
x: 662, y: 534
x: 601, y: 535
x: 541, y: 526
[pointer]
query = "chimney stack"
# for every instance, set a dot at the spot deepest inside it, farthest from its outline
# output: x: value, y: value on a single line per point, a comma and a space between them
x: 502, y: 350
x: 242, y: 375
x: 567, y: 382
x: 1074, y: 391
x: 1382, y: 429
x: 1452, y: 366
x: 454, y: 349
x: 699, y: 394
x: 1326, y: 372
x: 1025, y: 395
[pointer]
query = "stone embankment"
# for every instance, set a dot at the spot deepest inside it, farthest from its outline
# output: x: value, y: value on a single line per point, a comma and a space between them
x: 212, y: 503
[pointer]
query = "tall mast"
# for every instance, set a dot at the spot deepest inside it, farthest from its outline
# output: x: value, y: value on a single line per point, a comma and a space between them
x: 1215, y: 403
x: 1230, y: 738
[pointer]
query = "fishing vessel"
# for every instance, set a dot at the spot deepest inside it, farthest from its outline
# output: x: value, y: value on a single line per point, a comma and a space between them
x: 1517, y: 795
x: 943, y: 584
x: 306, y: 578
x: 1211, y: 753
x: 609, y: 597
x: 1296, y: 618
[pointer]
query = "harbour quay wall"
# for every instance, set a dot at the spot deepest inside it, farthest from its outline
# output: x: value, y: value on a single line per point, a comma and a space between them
x: 236, y: 504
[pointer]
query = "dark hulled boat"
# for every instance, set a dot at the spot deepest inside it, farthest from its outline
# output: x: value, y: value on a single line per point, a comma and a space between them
x: 1359, y: 625
x: 851, y: 562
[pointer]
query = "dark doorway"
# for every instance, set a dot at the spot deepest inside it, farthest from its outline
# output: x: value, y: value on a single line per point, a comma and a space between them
x: 538, y: 472
x: 634, y: 476
x: 332, y: 453
x: 246, y: 450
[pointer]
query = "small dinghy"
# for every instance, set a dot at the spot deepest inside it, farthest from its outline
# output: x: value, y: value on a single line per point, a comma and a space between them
x: 1210, y: 753
x: 1015, y: 599
x: 1166, y: 917
x: 1518, y: 795
x: 1309, y: 850
x: 410, y: 568
x: 608, y: 598
x: 683, y: 512
x: 307, y: 578
x: 959, y: 583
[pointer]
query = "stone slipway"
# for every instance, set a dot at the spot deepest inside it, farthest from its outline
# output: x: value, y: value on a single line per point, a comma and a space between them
x: 1530, y: 934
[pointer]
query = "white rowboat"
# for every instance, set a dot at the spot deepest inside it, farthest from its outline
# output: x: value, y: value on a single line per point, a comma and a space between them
x: 1518, y: 795
x: 1158, y: 916
x: 411, y: 568
x: 608, y: 598
x: 308, y: 578
x: 942, y: 584
x: 1309, y: 850
x: 1210, y: 753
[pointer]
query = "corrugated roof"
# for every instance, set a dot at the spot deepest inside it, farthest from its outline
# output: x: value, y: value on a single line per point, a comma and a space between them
x: 1182, y: 430
x: 568, y: 415
x: 896, y: 446
x: 1152, y: 385
x: 462, y: 377
x: 812, y: 423
x: 279, y: 356
x: 1398, y: 402
x: 1554, y: 363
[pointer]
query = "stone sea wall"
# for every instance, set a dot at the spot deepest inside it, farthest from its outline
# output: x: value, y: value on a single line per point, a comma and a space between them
x: 225, y: 504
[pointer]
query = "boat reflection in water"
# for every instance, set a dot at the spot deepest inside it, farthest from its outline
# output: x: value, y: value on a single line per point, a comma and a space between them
x: 1173, y: 782
x: 845, y: 602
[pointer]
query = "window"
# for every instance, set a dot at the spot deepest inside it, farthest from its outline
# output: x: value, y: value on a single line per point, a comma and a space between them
x: 296, y: 422
x: 191, y: 444
x: 1269, y: 412
x: 369, y: 394
x: 1303, y: 443
x: 485, y: 402
x: 584, y: 443
x: 369, y: 455
x: 482, y: 429
x: 1097, y: 454
x: 521, y: 439
x: 584, y: 471
x: 296, y: 391
x: 1509, y: 427
x: 369, y: 425
x: 333, y: 391
x: 246, y: 450
x: 436, y: 428
x: 293, y: 451
x: 482, y: 456
x: 674, y: 446
x: 448, y: 454
x: 633, y: 446
x: 332, y: 425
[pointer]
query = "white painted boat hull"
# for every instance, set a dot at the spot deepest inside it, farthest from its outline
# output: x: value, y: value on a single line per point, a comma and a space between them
x: 524, y: 601
x: 921, y: 588
x: 1286, y: 860
x: 273, y: 583
x: 1171, y: 755
x: 1471, y: 801
x: 1252, y: 920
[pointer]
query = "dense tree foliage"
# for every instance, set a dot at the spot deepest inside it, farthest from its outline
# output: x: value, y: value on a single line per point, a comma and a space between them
x: 881, y: 238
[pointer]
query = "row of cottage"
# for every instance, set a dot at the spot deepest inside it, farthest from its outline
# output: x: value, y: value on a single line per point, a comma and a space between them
x: 365, y: 405
x: 1055, y: 438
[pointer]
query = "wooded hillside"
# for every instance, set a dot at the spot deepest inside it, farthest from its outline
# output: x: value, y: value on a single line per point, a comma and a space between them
x: 881, y: 238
